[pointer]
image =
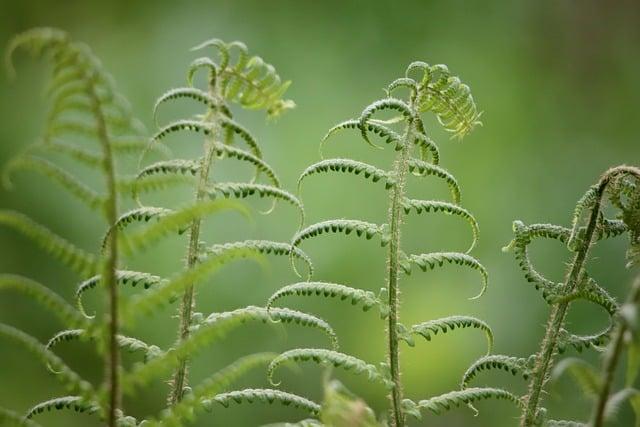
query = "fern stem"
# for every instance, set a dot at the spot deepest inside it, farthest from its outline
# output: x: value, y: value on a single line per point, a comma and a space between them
x: 544, y: 358
x: 612, y: 357
x: 395, y: 222
x: 180, y: 376
x: 112, y: 359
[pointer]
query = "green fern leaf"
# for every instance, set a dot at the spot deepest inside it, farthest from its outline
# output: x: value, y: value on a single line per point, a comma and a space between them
x: 422, y: 168
x: 57, y: 174
x: 348, y: 166
x: 329, y: 358
x: 585, y: 375
x: 242, y: 155
x: 328, y: 290
x: 438, y: 259
x: 191, y: 93
x: 514, y: 365
x: 65, y: 375
x: 445, y: 324
x: 449, y: 208
x: 266, y: 247
x: 346, y: 226
x: 173, y: 166
x: 69, y: 316
x: 454, y: 399
x: 73, y: 257
x: 81, y: 155
x: 177, y: 414
x: 384, y: 104
x: 75, y: 403
x: 265, y: 396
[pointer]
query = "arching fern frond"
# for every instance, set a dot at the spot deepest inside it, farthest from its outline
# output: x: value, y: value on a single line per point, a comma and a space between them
x: 75, y: 403
x: 445, y: 207
x: 366, y: 299
x: 65, y: 375
x: 585, y: 375
x: 426, y: 329
x: 264, y: 396
x: 66, y: 252
x: 143, y: 214
x: 177, y: 414
x: 267, y: 247
x: 173, y: 166
x: 513, y: 365
x: 69, y: 316
x: 438, y: 259
x: 393, y: 104
x: 329, y: 358
x: 191, y: 93
x: 348, y: 166
x: 422, y: 168
x: 346, y: 226
x: 454, y: 399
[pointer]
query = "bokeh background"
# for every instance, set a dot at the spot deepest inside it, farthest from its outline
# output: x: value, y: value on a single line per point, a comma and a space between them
x: 558, y: 84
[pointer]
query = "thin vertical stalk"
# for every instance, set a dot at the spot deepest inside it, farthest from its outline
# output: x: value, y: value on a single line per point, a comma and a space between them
x: 544, y: 359
x: 395, y: 221
x: 180, y: 376
x: 612, y: 357
x: 112, y: 358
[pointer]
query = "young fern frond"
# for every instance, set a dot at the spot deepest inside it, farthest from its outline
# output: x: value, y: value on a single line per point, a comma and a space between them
x: 67, y: 314
x: 445, y: 324
x: 454, y: 108
x: 269, y: 396
x: 454, y: 399
x: 513, y: 365
x: 83, y: 103
x: 76, y: 259
x: 328, y: 358
x: 75, y: 403
x: 578, y: 285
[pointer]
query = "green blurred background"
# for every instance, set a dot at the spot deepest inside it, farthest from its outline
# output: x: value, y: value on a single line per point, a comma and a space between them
x: 558, y: 84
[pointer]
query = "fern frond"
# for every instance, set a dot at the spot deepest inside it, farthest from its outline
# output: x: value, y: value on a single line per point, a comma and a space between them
x: 585, y: 375
x: 617, y: 399
x: 65, y: 375
x: 130, y: 344
x: 581, y: 342
x: 454, y: 399
x: 448, y: 208
x: 264, y: 396
x: 242, y: 155
x: 69, y: 316
x: 346, y: 226
x: 177, y: 221
x: 267, y: 247
x: 82, y: 155
x: 235, y: 127
x: 182, y: 125
x: 242, y: 190
x: 173, y: 166
x: 124, y: 277
x: 190, y: 93
x: 564, y: 423
x: 438, y: 259
x: 177, y: 414
x: 329, y: 358
x: 384, y: 104
x: 445, y: 324
x: 143, y: 214
x: 73, y: 257
x: 450, y: 100
x: 153, y: 182
x: 159, y: 295
x: 348, y: 166
x: 67, y: 181
x: 75, y: 403
x: 214, y: 328
x: 422, y: 168
x: 328, y: 290
x: 513, y: 365
x: 274, y: 314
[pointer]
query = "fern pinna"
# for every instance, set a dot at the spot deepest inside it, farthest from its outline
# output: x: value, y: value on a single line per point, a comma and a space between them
x: 620, y: 185
x: 85, y: 107
x: 433, y: 90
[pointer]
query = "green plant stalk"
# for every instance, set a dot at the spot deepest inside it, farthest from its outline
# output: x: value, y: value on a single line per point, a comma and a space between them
x: 395, y: 221
x: 112, y: 359
x: 544, y: 359
x: 180, y: 376
x: 612, y: 357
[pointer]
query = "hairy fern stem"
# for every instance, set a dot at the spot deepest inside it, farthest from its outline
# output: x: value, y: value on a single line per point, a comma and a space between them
x: 180, y: 376
x: 112, y: 359
x: 544, y: 359
x: 395, y: 222
x: 612, y: 357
